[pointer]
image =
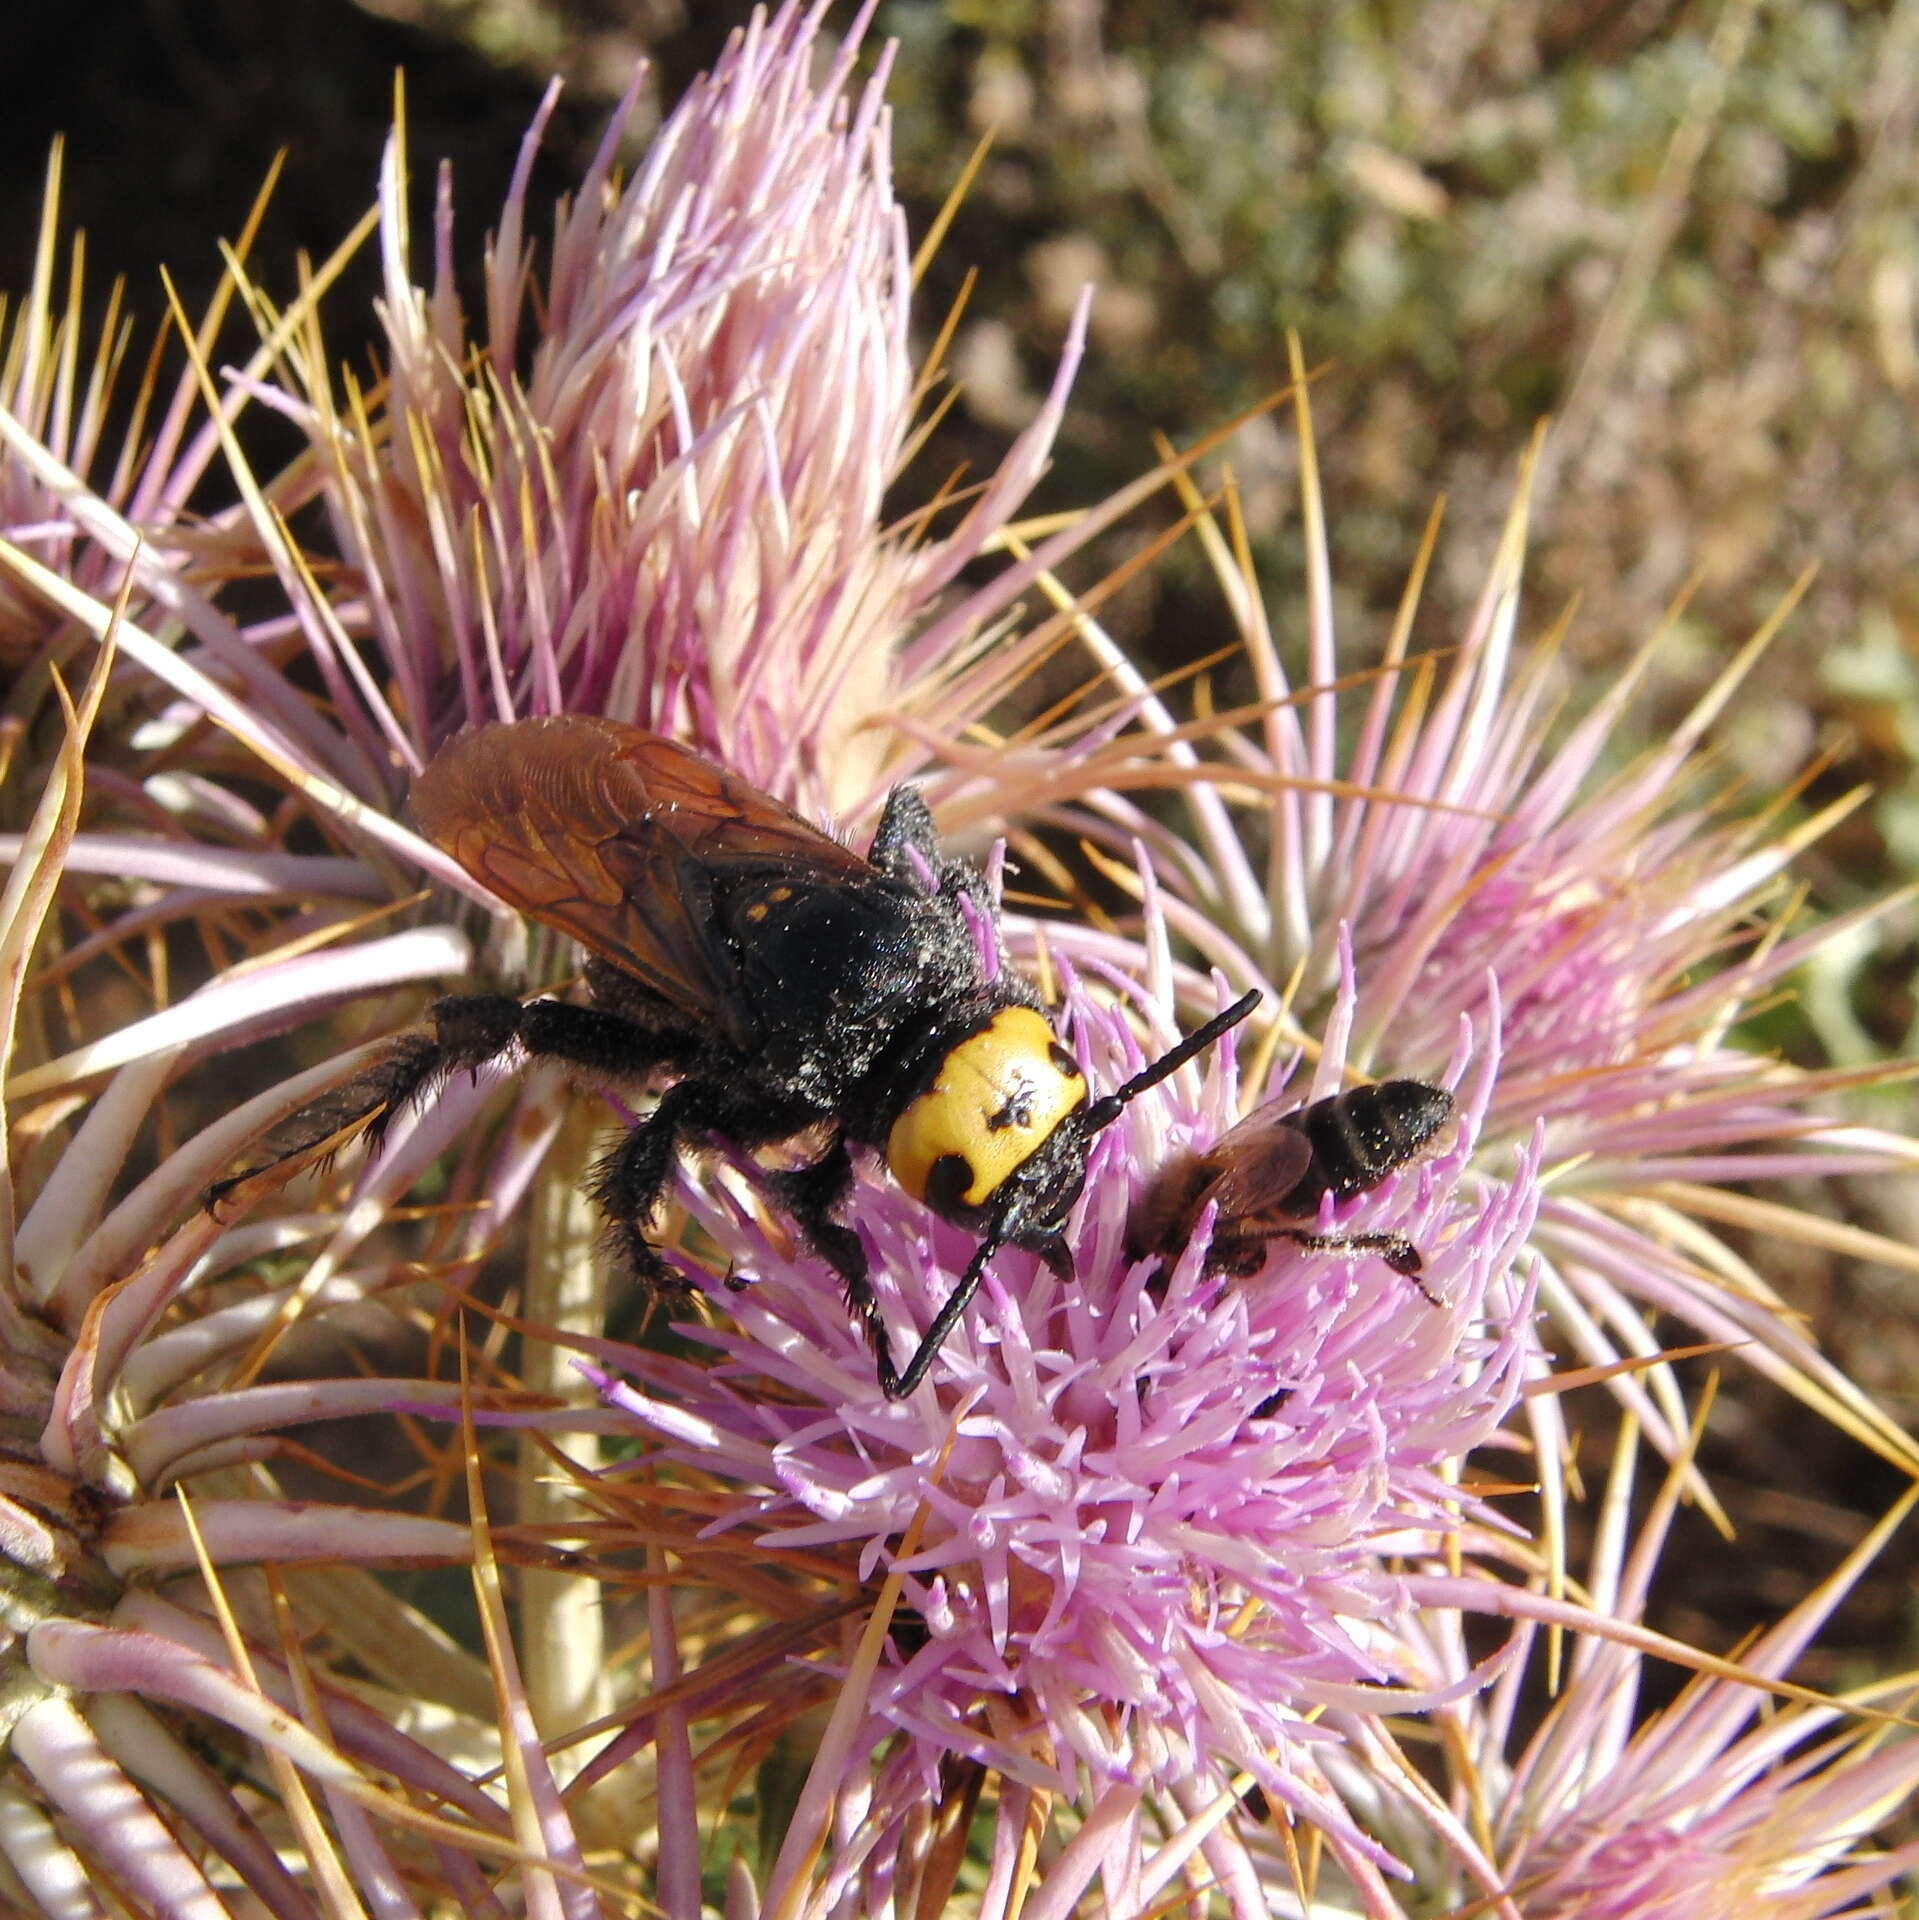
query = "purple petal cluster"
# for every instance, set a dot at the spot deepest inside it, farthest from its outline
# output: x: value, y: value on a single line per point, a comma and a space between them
x: 653, y: 486
x: 97, y: 464
x: 1159, y: 1510
x: 1745, y: 1794
x: 1481, y: 858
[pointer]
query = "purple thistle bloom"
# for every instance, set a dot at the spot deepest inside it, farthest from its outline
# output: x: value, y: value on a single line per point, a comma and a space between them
x: 1160, y: 1509
x: 1725, y: 1802
x: 661, y: 498
x: 70, y: 499
x: 1480, y: 863
x: 1121, y: 1540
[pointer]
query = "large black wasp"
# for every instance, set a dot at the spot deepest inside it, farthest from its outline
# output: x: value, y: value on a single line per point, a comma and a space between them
x: 787, y: 982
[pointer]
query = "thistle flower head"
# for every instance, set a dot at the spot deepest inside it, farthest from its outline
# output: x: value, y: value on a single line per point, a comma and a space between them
x: 661, y: 499
x: 1476, y: 855
x: 152, y: 1679
x: 1726, y: 1801
x: 71, y: 499
x: 1149, y: 1510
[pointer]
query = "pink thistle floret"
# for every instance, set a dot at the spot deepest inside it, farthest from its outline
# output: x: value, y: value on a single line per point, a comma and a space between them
x: 1161, y: 1508
x: 653, y: 486
x: 1722, y: 1804
x: 1625, y: 922
x: 1707, y: 1871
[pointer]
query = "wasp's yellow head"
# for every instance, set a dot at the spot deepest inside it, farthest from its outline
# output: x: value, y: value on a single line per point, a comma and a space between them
x: 1001, y: 1094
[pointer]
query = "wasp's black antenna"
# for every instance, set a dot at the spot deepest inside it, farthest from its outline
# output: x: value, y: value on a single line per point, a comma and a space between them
x: 1104, y: 1111
x: 896, y: 1386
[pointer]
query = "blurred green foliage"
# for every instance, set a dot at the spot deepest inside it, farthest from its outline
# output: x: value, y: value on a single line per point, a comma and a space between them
x: 1689, y: 231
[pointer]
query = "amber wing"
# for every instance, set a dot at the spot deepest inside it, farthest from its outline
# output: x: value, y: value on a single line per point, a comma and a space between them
x: 615, y: 835
x: 1257, y: 1164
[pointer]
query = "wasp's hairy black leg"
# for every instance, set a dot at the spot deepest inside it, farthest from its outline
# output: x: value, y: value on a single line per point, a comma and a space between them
x: 469, y: 1029
x: 628, y: 1182
x: 369, y: 1100
x: 465, y: 1031
x: 462, y: 1033
x: 602, y: 1043
x: 812, y: 1195
x: 906, y: 822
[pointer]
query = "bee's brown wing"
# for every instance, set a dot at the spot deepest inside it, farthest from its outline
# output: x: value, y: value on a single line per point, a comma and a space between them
x: 614, y: 835
x: 1259, y: 1162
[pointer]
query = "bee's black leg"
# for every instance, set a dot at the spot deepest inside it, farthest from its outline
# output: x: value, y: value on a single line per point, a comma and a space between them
x: 812, y: 1195
x: 602, y: 1043
x: 463, y: 1033
x: 467, y: 1031
x: 629, y: 1181
x: 1395, y: 1249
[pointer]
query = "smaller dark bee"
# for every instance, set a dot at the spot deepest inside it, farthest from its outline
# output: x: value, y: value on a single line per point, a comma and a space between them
x: 1269, y: 1173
